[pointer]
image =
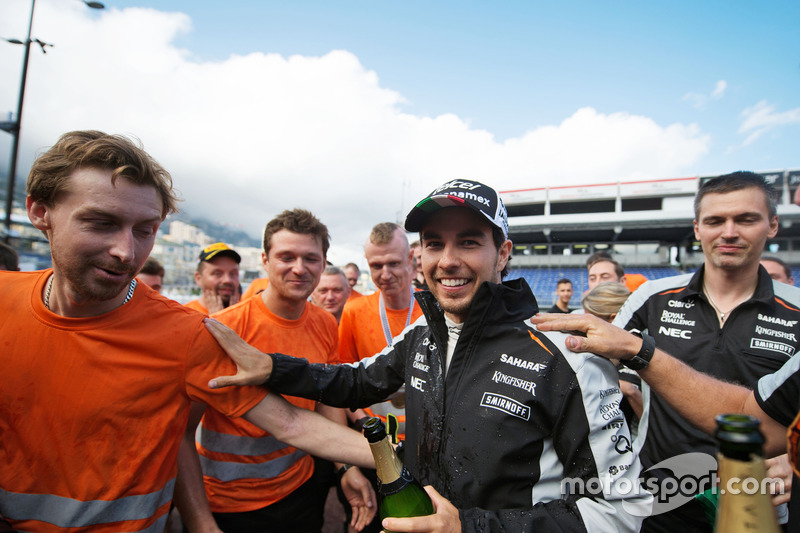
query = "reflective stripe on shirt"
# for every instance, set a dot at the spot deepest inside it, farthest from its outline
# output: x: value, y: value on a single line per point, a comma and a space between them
x: 68, y: 512
x: 229, y: 471
x: 214, y: 441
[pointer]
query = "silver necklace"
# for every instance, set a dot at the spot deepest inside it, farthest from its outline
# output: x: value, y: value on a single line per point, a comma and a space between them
x: 131, y: 288
x: 722, y: 314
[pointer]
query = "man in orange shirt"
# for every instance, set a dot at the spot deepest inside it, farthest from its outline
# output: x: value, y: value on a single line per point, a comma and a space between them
x: 101, y: 370
x: 253, y: 481
x: 369, y: 324
x: 218, y: 277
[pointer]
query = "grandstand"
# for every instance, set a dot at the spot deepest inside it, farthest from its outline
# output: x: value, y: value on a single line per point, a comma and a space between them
x: 646, y: 225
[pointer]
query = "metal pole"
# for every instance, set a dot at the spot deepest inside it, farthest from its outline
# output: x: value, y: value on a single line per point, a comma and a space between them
x: 12, y: 169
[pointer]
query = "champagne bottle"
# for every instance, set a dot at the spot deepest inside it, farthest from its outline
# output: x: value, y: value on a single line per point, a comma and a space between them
x: 743, y: 505
x: 400, y: 494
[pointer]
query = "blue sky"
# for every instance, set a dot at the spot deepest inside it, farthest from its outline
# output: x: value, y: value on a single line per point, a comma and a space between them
x: 508, y: 67
x: 516, y: 93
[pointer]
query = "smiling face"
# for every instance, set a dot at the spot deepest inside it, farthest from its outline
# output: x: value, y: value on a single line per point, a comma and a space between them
x: 733, y: 228
x: 458, y: 255
x: 100, y: 236
x: 294, y: 265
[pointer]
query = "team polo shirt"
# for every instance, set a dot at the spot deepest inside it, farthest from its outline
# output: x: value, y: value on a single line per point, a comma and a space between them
x: 92, y: 410
x: 756, y: 339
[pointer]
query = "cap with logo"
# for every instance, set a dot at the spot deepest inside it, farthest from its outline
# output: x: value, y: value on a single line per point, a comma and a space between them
x: 461, y: 193
x: 219, y: 249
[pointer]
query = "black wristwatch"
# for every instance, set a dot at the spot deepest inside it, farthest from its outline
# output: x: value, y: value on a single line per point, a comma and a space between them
x: 642, y: 359
x: 342, y: 470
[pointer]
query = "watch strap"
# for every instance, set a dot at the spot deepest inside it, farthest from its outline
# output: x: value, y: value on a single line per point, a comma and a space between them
x: 642, y: 359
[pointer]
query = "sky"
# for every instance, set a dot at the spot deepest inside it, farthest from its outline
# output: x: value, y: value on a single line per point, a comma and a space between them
x: 356, y: 110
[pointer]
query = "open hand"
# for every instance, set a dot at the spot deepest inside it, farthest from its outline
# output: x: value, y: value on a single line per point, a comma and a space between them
x: 253, y: 367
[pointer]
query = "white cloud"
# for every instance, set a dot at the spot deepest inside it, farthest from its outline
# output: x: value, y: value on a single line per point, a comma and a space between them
x: 762, y: 117
x: 699, y: 100
x: 719, y: 89
x: 252, y: 135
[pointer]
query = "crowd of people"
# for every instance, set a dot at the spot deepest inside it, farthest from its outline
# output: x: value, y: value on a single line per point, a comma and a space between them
x: 121, y: 404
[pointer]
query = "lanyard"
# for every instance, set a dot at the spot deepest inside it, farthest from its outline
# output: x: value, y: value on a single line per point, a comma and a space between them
x: 387, y: 333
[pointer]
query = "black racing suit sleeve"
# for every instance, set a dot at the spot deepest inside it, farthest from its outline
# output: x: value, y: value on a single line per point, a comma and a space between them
x: 350, y: 385
x: 778, y: 394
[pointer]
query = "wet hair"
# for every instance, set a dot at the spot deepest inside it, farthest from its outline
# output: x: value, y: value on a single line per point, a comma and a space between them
x: 152, y: 267
x: 9, y: 259
x: 736, y: 181
x: 297, y: 221
x: 605, y: 299
x: 51, y: 173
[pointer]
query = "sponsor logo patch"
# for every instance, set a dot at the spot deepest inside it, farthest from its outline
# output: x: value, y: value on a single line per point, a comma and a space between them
x: 505, y: 404
x: 675, y: 332
x: 522, y: 363
x: 671, y: 317
x: 622, y: 444
x: 776, y: 320
x: 419, y: 362
x: 761, y: 330
x: 773, y: 346
x: 528, y: 386
x: 610, y: 411
x: 612, y: 390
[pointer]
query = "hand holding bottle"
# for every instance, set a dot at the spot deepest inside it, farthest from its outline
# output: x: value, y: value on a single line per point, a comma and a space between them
x: 445, y: 519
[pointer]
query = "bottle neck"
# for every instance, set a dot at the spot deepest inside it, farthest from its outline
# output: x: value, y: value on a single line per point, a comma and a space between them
x: 387, y: 464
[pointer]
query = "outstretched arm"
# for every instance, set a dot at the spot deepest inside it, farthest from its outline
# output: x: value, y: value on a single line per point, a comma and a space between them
x: 678, y: 384
x: 310, y: 431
